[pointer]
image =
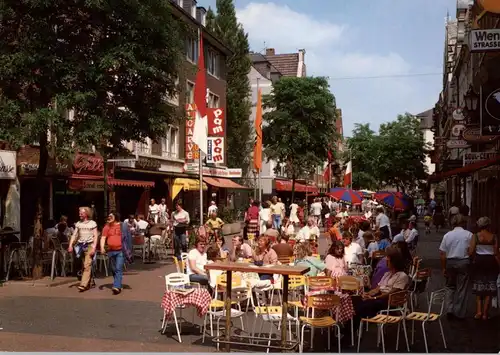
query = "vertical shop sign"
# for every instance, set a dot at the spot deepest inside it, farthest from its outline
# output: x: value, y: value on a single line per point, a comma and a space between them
x: 215, y: 154
x: 192, y: 151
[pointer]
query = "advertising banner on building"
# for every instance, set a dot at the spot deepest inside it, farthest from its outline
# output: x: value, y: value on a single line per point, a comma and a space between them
x: 215, y: 153
x: 216, y: 123
x: 191, y: 149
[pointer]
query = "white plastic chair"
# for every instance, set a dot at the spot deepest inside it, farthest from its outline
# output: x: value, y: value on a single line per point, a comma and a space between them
x: 173, y: 281
x: 238, y: 296
x: 437, y: 298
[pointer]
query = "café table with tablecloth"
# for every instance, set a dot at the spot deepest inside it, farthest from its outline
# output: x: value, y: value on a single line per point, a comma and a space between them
x: 346, y: 311
x: 199, y: 298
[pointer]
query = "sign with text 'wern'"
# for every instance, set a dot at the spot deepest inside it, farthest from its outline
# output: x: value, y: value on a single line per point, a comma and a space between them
x: 484, y: 40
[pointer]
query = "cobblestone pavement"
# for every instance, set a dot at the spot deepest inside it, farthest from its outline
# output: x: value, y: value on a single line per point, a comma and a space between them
x: 61, y: 319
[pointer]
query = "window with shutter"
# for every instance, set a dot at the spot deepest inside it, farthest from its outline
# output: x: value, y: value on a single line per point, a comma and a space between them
x: 156, y: 148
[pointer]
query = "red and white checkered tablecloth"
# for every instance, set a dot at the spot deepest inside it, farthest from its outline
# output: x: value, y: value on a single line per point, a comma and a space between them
x: 199, y: 298
x: 346, y: 311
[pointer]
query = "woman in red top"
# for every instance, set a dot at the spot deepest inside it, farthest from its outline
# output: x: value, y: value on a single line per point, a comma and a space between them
x: 112, y: 237
x: 252, y: 218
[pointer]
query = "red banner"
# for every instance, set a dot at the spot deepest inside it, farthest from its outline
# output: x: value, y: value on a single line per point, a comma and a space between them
x: 216, y: 122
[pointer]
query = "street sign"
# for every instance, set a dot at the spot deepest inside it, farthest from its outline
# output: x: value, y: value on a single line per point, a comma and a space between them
x: 457, y: 144
x: 484, y: 40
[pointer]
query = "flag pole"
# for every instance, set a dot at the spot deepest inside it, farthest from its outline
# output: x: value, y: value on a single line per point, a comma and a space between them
x: 200, y: 166
x: 350, y: 160
x: 260, y: 170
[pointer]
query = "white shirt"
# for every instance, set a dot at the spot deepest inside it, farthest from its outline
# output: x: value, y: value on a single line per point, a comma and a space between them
x: 353, y: 253
x: 180, y: 217
x: 212, y: 209
x: 306, y: 232
x: 360, y: 240
x: 455, y: 244
x: 382, y: 220
x: 412, y: 235
x: 154, y: 209
x: 199, y: 259
x: 281, y: 207
x: 316, y: 208
x: 293, y: 208
x: 142, y: 225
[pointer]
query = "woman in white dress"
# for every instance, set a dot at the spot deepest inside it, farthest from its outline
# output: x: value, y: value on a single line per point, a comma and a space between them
x: 264, y: 217
x: 154, y: 211
x: 293, y: 213
x: 163, y: 211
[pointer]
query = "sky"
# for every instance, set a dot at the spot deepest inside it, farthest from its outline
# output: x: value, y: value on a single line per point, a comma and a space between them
x: 358, y: 38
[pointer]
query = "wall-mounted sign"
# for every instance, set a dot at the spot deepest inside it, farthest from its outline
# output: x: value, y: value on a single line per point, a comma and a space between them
x: 86, y: 185
x: 8, y: 169
x: 217, y: 172
x: 492, y: 104
x: 473, y: 135
x: 471, y: 158
x: 191, y: 149
x: 456, y: 130
x: 457, y: 144
x: 148, y: 164
x: 86, y: 164
x: 458, y: 114
x: 484, y: 40
x: 216, y: 124
x: 215, y: 151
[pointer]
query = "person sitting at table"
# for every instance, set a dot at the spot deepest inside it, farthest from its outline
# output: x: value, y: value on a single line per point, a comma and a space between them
x: 272, y: 232
x: 303, y: 257
x: 240, y: 250
x: 335, y: 260
x: 309, y: 229
x: 282, y: 248
x: 264, y: 255
x: 287, y: 227
x: 197, y: 259
x: 214, y: 226
x: 375, y: 300
x: 223, y: 250
x: 353, y: 251
x: 213, y: 253
x: 363, y: 228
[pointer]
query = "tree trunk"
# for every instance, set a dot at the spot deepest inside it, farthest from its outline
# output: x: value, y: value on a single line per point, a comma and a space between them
x: 293, y: 188
x: 38, y: 223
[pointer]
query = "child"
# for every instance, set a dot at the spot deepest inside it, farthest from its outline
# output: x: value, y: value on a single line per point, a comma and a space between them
x: 427, y: 222
x: 374, y: 244
x: 335, y: 260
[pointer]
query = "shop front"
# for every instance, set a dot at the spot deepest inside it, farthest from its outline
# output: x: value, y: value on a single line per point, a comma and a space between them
x: 9, y: 191
x: 283, y: 189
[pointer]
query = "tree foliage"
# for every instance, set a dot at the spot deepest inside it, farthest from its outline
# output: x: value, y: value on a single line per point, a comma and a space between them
x: 300, y: 124
x: 393, y: 157
x: 113, y: 63
x: 225, y: 26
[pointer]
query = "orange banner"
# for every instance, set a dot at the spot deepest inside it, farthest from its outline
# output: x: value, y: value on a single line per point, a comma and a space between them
x: 257, y: 151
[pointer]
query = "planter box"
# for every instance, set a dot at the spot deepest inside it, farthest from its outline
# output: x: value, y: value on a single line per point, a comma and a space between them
x: 232, y: 228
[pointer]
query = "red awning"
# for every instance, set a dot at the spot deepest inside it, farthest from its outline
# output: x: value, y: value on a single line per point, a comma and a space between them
x: 286, y: 185
x: 224, y: 183
x: 465, y: 170
x: 132, y: 183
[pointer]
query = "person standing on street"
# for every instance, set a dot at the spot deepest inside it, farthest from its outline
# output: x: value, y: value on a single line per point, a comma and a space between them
x: 181, y: 222
x: 316, y: 208
x: 84, y: 242
x: 455, y: 265
x: 118, y: 239
x: 276, y: 212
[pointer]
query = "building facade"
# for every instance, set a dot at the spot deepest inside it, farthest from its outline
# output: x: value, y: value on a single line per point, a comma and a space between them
x: 153, y: 169
x: 467, y: 115
x: 267, y: 69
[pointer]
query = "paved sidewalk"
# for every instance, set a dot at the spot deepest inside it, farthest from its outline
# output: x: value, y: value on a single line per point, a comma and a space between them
x: 61, y: 319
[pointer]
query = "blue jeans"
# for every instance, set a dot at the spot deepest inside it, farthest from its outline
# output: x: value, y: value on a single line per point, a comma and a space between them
x: 117, y: 261
x: 201, y: 279
x: 180, y: 244
x: 277, y: 221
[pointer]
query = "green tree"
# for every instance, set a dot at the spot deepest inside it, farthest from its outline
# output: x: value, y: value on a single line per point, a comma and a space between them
x: 394, y: 157
x: 300, y: 125
x: 113, y: 63
x: 362, y: 150
x: 402, y: 153
x: 239, y: 129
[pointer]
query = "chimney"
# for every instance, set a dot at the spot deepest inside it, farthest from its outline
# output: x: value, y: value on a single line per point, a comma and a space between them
x: 301, y: 67
x: 186, y: 5
x: 201, y: 14
x: 193, y: 8
x: 270, y: 51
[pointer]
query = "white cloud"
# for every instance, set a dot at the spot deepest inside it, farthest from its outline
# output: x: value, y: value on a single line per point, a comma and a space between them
x: 290, y: 29
x: 332, y: 52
